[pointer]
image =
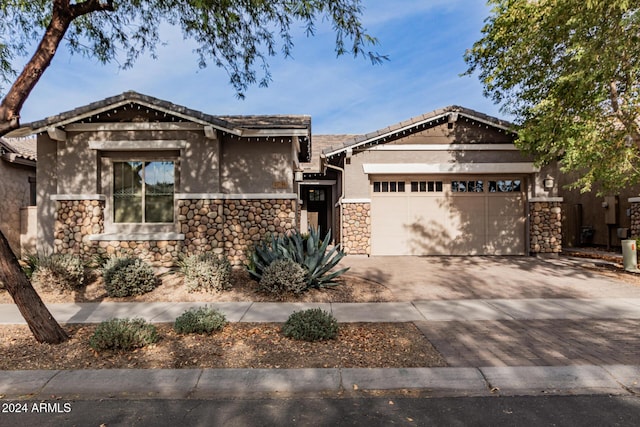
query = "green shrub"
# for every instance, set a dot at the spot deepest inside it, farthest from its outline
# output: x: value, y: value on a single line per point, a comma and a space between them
x: 283, y: 276
x: 203, y: 320
x: 307, y: 250
x: 59, y: 272
x: 123, y: 334
x: 311, y: 325
x: 125, y: 276
x: 206, y: 272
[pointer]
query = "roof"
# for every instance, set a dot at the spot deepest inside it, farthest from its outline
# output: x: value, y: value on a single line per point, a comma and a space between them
x: 299, y: 125
x: 414, y: 123
x: 18, y: 150
x: 320, y: 143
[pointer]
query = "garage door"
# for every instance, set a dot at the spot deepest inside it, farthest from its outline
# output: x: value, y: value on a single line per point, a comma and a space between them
x: 458, y: 216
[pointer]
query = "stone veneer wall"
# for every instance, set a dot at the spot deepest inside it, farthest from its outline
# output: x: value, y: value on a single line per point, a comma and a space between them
x: 76, y: 220
x: 356, y: 228
x: 545, y: 227
x: 232, y: 226
x: 227, y: 227
x: 635, y: 217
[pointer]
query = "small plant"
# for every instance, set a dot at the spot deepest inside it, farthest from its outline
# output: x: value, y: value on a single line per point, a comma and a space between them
x: 307, y: 250
x: 206, y: 272
x: 203, y: 320
x: 123, y: 334
x: 125, y: 276
x: 60, y: 272
x: 283, y: 276
x: 314, y: 324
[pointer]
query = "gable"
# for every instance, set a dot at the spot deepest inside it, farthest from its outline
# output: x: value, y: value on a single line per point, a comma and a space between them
x: 463, y: 131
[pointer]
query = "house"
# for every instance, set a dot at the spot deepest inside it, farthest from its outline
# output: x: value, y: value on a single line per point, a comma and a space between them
x: 450, y: 182
x: 17, y: 192
x: 135, y: 174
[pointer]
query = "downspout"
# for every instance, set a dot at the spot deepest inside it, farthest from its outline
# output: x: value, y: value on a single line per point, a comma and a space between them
x: 323, y: 159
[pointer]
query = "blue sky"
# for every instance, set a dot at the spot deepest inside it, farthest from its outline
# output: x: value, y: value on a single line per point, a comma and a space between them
x: 425, y: 41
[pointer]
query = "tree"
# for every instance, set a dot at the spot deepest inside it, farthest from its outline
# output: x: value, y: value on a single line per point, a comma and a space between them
x: 237, y: 35
x: 569, y: 72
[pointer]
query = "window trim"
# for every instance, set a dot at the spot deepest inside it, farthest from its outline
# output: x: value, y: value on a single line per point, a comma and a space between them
x: 106, y: 181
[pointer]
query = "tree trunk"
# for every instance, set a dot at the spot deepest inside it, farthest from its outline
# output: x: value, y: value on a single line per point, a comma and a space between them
x: 42, y: 324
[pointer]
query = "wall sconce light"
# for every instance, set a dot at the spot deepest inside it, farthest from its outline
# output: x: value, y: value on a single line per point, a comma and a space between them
x: 548, y: 183
x: 298, y: 176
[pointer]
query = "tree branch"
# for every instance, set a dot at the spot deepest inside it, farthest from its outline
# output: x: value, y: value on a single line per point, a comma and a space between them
x: 63, y: 14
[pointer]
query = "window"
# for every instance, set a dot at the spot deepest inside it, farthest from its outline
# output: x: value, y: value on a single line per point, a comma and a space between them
x: 426, y: 186
x: 388, y: 187
x: 505, y: 186
x: 316, y: 195
x: 467, y: 186
x: 143, y: 191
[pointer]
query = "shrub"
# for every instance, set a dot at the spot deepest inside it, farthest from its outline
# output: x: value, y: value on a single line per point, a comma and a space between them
x: 123, y: 334
x: 125, y: 276
x: 283, y: 276
x: 206, y: 272
x: 61, y: 272
x: 307, y: 250
x: 203, y: 320
x: 311, y: 325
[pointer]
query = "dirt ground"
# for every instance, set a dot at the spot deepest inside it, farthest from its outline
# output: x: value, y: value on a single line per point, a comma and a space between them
x: 238, y: 345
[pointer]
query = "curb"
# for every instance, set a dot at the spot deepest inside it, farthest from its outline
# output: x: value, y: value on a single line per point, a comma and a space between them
x: 205, y: 383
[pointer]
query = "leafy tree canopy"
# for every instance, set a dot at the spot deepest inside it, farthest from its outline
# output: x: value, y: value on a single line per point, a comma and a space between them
x: 569, y: 72
x: 237, y: 35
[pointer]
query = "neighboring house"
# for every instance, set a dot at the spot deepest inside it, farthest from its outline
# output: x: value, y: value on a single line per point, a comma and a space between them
x: 136, y: 174
x: 449, y: 182
x: 17, y: 192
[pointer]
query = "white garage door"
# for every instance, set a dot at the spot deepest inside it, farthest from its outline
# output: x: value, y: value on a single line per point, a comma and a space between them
x: 459, y: 216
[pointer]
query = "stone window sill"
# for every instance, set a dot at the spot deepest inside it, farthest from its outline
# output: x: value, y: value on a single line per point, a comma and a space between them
x: 136, y: 236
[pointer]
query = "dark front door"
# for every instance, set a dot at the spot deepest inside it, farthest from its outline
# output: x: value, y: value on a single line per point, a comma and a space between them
x: 317, y: 207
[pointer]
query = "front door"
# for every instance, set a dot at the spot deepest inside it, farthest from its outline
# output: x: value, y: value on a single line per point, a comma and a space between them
x: 316, y: 199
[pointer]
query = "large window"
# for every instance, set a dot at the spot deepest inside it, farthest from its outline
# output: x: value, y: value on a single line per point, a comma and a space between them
x: 143, y: 191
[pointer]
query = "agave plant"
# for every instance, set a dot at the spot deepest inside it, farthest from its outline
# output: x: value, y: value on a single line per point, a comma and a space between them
x: 308, y: 250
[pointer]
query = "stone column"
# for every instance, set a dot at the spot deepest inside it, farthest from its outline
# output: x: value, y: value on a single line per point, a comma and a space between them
x: 545, y: 225
x: 356, y: 227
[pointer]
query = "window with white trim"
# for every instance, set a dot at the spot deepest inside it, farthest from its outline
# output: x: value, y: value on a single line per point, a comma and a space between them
x: 388, y: 187
x: 475, y: 186
x: 143, y: 191
x: 426, y: 186
x: 505, y: 186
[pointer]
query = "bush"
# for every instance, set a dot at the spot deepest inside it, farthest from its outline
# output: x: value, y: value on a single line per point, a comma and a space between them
x: 59, y: 272
x: 311, y: 325
x: 206, y: 272
x: 123, y: 334
x: 307, y: 250
x: 283, y: 276
x: 125, y: 276
x: 203, y: 320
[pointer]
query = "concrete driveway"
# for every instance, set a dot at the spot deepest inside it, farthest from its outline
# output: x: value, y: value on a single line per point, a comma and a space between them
x: 483, y: 277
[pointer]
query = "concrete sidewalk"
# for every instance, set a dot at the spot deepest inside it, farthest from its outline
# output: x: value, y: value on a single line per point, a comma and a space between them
x: 238, y: 383
x: 441, y: 311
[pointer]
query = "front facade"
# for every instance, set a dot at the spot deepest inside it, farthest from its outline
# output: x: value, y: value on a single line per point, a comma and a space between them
x: 449, y: 182
x: 134, y: 174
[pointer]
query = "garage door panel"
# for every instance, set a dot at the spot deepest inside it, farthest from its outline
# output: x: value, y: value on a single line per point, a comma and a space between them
x: 448, y: 224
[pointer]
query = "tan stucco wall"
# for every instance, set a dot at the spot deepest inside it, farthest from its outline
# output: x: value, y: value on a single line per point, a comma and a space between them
x: 14, y: 193
x: 256, y: 166
x: 47, y: 184
x: 357, y: 182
